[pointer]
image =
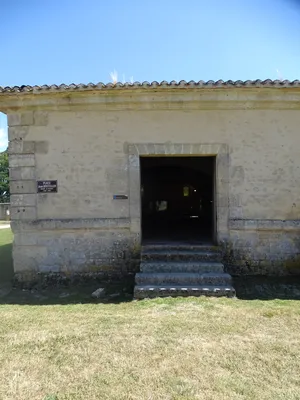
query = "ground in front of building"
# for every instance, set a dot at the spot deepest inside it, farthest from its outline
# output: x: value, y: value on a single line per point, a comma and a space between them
x: 60, y: 343
x: 163, y: 348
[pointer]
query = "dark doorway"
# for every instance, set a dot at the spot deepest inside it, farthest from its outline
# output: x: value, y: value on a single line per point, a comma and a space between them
x: 178, y: 199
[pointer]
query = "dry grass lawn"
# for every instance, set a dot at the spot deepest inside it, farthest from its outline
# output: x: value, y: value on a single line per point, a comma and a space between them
x: 158, y: 349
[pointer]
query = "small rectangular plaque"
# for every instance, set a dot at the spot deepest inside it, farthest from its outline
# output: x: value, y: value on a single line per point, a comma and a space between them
x: 47, y: 186
x: 120, y: 197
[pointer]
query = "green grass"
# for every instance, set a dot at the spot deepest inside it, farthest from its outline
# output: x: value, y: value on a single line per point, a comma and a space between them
x: 181, y: 349
x: 6, y: 266
x: 162, y: 349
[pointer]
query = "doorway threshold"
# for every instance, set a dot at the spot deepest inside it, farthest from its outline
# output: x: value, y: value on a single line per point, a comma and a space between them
x: 170, y: 242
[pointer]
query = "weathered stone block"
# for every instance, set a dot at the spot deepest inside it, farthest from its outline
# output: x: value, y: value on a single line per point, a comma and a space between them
x: 237, y: 224
x: 178, y: 148
x: 25, y: 118
x: 40, y: 118
x: 20, y: 200
x: 101, y: 224
x: 23, y: 213
x: 142, y: 148
x: 235, y: 200
x: 17, y: 132
x: 15, y: 146
x: 28, y: 147
x: 222, y: 216
x: 28, y: 258
x: 134, y: 162
x: 45, y: 268
x: 133, y: 149
x: 187, y: 148
x: 196, y: 149
x: 81, y: 251
x: 41, y: 147
x: 240, y: 239
x: 222, y: 200
x: 21, y: 160
x: 250, y: 224
x: 222, y: 164
x: 151, y: 148
x: 117, y: 177
x: 260, y: 252
x: 291, y: 225
x: 135, y: 225
x: 236, y: 212
x: 21, y: 173
x: 25, y: 238
x: 222, y: 235
x: 20, y: 146
x: 170, y: 149
x: 286, y: 244
x: 222, y: 149
x: 237, y: 175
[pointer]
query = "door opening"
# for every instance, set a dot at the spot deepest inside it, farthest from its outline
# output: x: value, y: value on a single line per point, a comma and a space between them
x: 177, y: 195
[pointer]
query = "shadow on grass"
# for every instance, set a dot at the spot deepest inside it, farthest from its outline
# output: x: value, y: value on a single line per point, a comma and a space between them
x: 69, y: 294
x: 267, y: 287
x: 247, y: 288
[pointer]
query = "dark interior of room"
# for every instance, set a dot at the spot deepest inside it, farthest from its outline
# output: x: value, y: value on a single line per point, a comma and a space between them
x: 177, y: 199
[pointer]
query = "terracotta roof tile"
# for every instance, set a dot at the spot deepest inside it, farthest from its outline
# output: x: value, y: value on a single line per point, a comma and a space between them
x: 138, y: 85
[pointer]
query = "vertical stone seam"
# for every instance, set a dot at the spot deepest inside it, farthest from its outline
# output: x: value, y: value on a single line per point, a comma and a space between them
x: 18, y: 209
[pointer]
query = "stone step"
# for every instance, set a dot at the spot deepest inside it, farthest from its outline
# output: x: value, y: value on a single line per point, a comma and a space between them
x: 150, y: 291
x: 178, y: 255
x: 173, y: 246
x: 189, y: 266
x: 182, y: 279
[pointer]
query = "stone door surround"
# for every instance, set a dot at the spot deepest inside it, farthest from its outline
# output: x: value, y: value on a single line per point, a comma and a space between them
x: 219, y: 150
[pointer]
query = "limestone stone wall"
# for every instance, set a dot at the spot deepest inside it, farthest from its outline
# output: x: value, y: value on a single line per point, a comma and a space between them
x: 74, y: 246
x: 94, y: 154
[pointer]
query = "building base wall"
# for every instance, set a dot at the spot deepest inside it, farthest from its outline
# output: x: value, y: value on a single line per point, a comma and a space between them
x: 106, y: 248
x: 67, y: 248
x: 263, y: 247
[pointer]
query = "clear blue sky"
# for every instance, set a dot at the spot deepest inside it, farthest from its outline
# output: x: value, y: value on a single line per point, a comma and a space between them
x: 65, y: 41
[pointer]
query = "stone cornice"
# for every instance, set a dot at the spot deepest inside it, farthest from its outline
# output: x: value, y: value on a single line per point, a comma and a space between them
x: 189, y: 98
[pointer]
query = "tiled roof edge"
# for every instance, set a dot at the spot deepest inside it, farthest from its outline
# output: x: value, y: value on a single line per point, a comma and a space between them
x: 268, y: 83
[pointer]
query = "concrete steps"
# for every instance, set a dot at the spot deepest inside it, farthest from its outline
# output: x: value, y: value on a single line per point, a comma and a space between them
x: 150, y: 291
x: 181, y: 255
x: 182, y: 266
x: 194, y: 247
x: 182, y: 278
x: 182, y: 270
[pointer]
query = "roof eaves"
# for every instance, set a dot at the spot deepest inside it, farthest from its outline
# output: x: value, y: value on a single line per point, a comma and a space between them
x: 268, y: 83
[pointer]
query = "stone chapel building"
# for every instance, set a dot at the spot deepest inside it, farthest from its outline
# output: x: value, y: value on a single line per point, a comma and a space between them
x: 97, y: 171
